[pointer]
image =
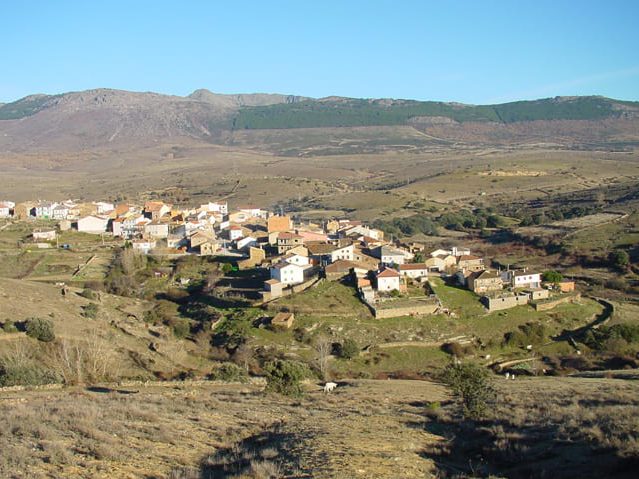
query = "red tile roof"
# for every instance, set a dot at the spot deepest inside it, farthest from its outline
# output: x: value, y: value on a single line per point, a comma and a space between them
x: 388, y: 273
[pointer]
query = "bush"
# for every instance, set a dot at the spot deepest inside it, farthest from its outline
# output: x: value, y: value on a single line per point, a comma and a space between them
x: 471, y: 386
x: 25, y: 375
x: 90, y: 311
x: 552, y: 277
x: 612, y: 338
x: 458, y: 350
x: 230, y: 372
x: 619, y: 259
x: 40, y: 329
x: 88, y: 294
x: 349, y: 349
x: 181, y: 328
x: 9, y: 326
x: 227, y: 268
x: 285, y: 377
x: 529, y: 333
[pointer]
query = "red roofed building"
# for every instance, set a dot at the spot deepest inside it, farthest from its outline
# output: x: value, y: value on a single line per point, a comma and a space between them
x: 388, y: 280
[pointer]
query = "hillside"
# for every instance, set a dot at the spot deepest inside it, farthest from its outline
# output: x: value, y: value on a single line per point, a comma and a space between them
x: 573, y: 427
x: 114, y: 119
x: 116, y: 330
x: 356, y: 112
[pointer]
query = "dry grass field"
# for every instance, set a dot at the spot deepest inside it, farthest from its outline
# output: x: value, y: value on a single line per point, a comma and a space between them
x: 387, y: 429
x: 117, y: 329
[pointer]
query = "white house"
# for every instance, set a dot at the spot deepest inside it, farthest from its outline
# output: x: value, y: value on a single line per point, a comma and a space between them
x: 521, y: 279
x: 235, y: 232
x: 216, y: 207
x: 45, y: 210
x: 363, y: 231
x: 157, y: 230
x: 44, y: 235
x: 392, y: 256
x: 255, y: 212
x: 414, y: 270
x: 143, y: 246
x: 287, y: 273
x: 129, y: 226
x: 246, y: 243
x: 5, y: 210
x: 93, y: 224
x: 387, y: 280
x: 60, y: 212
x: 102, y: 208
x: 345, y: 253
x: 297, y: 259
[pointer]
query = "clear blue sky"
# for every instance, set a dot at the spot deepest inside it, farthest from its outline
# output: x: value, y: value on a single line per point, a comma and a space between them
x: 469, y: 51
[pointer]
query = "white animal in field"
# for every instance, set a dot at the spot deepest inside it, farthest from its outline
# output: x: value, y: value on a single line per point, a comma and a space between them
x: 529, y: 347
x: 507, y: 375
x: 328, y: 387
x: 512, y: 377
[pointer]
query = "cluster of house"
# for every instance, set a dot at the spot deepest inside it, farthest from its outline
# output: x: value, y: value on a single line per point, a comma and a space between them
x: 295, y: 254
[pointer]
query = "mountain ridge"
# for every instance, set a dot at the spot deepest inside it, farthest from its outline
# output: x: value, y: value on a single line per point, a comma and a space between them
x: 111, y: 118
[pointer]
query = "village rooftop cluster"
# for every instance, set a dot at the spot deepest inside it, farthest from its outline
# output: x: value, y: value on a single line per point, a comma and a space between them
x: 391, y: 277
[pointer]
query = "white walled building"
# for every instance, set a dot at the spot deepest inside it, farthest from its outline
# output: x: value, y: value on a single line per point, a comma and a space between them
x: 287, y: 273
x: 93, y: 224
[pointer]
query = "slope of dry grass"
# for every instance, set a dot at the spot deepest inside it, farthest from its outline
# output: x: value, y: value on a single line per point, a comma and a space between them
x: 543, y: 427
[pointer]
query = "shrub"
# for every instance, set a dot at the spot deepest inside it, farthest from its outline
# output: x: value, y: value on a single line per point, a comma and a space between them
x: 529, y: 333
x: 285, y: 377
x: 88, y: 294
x: 457, y: 349
x: 9, y: 326
x: 230, y: 372
x: 25, y: 375
x: 612, y: 338
x: 40, y: 329
x: 227, y: 268
x: 619, y: 259
x: 552, y: 277
x: 471, y: 386
x: 349, y: 349
x: 181, y: 328
x: 90, y: 311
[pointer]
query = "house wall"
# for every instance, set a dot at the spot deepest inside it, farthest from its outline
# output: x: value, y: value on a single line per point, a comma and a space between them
x: 497, y: 304
x: 387, y: 284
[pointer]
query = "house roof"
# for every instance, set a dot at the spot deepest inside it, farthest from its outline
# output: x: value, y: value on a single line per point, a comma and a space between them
x: 341, y: 266
x: 486, y: 274
x: 320, y: 248
x: 390, y: 251
x: 388, y: 273
x: 154, y: 205
x: 283, y: 317
x: 412, y: 266
x: 284, y: 264
x: 272, y: 281
x: 285, y: 235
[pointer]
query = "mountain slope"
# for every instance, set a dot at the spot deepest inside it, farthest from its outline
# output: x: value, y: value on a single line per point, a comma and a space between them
x: 115, y: 119
x: 356, y: 112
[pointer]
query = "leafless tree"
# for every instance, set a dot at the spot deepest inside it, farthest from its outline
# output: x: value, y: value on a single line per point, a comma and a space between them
x: 323, y: 348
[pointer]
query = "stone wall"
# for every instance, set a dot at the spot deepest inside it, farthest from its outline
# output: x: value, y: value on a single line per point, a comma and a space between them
x: 546, y: 305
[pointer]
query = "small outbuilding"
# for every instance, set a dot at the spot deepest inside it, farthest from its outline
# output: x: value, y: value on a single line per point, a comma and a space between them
x: 283, y: 320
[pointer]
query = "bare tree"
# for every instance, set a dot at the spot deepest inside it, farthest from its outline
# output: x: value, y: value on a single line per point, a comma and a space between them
x: 323, y: 348
x: 88, y: 360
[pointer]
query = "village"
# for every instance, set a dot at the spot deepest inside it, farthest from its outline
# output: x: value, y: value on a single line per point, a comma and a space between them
x: 390, y: 276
